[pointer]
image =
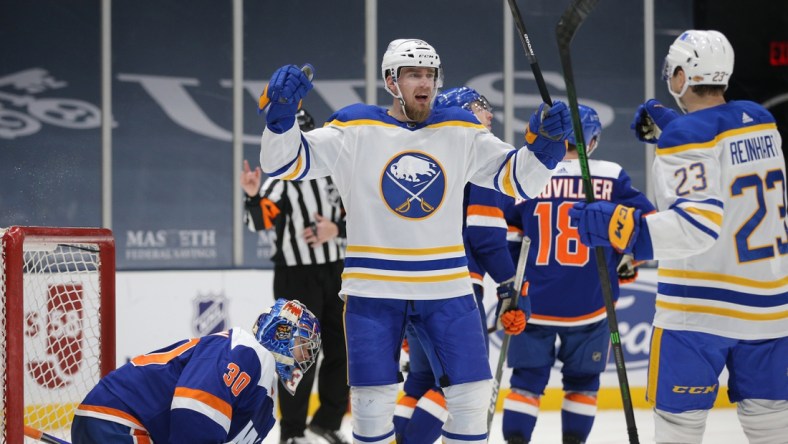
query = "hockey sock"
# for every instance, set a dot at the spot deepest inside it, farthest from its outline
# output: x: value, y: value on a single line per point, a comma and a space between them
x: 428, y: 417
x: 402, y: 414
x: 577, y: 414
x: 520, y: 410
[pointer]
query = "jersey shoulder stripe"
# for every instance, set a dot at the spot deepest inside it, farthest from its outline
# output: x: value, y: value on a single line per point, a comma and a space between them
x: 705, y: 128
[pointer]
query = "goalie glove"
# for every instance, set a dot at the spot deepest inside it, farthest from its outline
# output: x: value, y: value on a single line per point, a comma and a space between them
x: 650, y: 119
x: 511, y: 318
x: 627, y: 270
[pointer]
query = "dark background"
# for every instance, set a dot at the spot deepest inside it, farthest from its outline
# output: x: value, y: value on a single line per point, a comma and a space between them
x: 173, y: 183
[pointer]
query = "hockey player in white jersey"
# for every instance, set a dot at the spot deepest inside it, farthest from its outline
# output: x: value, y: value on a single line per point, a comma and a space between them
x: 401, y: 172
x: 721, y: 238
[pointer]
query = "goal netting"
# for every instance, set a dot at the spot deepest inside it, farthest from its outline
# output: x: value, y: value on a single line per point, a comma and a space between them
x: 57, y: 324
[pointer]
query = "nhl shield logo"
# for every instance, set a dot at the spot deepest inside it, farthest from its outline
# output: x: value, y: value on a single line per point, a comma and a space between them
x: 210, y: 314
x: 413, y: 185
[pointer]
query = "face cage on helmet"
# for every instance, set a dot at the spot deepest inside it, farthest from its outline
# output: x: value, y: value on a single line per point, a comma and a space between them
x: 481, y: 102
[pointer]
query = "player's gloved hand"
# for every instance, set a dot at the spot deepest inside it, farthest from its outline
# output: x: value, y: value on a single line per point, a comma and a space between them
x: 545, y: 134
x: 510, y: 317
x: 605, y: 224
x: 289, y: 84
x: 405, y: 345
x: 650, y: 119
x: 627, y: 270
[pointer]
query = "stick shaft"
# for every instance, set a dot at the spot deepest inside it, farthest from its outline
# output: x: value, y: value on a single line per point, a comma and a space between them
x: 529, y: 52
x: 519, y: 277
x: 570, y: 21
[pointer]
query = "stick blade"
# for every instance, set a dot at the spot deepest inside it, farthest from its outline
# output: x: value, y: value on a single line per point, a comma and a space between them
x: 571, y: 20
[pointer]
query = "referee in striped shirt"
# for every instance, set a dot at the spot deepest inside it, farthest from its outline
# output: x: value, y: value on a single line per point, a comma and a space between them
x: 308, y: 257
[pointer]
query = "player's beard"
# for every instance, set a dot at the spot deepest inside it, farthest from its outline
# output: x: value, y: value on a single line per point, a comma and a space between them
x: 417, y: 113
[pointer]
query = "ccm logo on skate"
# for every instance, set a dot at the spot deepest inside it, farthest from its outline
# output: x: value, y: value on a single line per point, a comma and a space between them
x: 413, y: 185
x: 694, y: 390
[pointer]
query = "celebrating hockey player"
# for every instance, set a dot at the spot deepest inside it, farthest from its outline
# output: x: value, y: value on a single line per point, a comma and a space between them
x: 421, y: 411
x: 564, y: 294
x: 203, y: 390
x: 401, y: 172
x: 721, y: 237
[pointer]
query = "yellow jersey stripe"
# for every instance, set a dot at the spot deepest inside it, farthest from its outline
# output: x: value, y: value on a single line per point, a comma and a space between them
x: 738, y: 314
x: 409, y: 279
x: 710, y: 215
x: 405, y: 251
x: 713, y: 142
x: 708, y: 276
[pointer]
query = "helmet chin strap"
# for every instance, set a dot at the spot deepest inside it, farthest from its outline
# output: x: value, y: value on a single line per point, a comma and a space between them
x: 677, y: 96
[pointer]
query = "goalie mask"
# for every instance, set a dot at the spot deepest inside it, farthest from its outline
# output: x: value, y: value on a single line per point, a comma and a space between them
x: 706, y: 57
x: 592, y: 127
x: 463, y: 97
x: 410, y: 53
x: 292, y: 334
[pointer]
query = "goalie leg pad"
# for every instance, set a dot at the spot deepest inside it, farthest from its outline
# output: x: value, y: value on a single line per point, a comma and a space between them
x: 763, y: 420
x: 373, y: 410
x: 685, y: 427
x: 467, y: 404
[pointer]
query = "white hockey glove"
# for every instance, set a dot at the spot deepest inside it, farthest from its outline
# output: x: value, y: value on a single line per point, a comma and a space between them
x: 627, y: 270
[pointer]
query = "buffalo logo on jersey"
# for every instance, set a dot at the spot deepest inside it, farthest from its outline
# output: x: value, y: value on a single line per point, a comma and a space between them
x: 413, y: 185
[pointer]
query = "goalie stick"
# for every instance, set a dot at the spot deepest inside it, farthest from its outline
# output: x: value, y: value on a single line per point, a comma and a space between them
x: 36, y: 434
x: 567, y: 27
x: 519, y: 277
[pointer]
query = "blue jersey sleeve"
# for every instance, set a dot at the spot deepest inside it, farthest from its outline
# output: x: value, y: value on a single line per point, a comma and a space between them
x: 485, y: 232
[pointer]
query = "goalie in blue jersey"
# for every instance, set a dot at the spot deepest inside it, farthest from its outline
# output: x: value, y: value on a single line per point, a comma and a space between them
x: 204, y: 390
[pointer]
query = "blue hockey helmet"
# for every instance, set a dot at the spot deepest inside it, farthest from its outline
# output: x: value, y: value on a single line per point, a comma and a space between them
x: 292, y: 334
x: 463, y: 97
x: 592, y: 128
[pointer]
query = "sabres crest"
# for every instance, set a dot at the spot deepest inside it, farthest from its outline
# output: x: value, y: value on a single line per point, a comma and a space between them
x: 210, y: 314
x: 413, y: 185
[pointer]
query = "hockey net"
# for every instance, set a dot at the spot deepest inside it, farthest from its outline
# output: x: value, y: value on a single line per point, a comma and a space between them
x: 57, y: 324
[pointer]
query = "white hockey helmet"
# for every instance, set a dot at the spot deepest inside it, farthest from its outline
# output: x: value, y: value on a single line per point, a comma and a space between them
x: 413, y: 53
x: 706, y: 57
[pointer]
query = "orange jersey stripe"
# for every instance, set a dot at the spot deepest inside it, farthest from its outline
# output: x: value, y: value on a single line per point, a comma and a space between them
x: 484, y: 210
x: 206, y: 398
x: 163, y: 358
x: 112, y: 412
x: 572, y: 319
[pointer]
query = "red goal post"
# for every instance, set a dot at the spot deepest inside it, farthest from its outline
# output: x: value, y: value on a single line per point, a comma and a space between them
x: 57, y: 324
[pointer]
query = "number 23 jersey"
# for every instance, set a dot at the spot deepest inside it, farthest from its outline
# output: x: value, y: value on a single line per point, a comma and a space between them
x: 721, y: 236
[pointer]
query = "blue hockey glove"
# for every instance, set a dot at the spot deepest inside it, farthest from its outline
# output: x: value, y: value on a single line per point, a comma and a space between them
x: 650, y: 119
x: 289, y: 84
x: 605, y: 224
x: 545, y: 134
x: 511, y: 318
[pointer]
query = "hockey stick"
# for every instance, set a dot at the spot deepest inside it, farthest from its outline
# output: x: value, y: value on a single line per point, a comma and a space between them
x: 529, y: 52
x: 567, y: 27
x: 30, y: 432
x: 519, y: 277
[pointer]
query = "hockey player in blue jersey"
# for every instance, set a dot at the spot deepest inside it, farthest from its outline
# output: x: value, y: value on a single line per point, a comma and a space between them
x: 563, y: 294
x: 401, y: 172
x: 721, y: 238
x: 421, y: 411
x: 203, y: 390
